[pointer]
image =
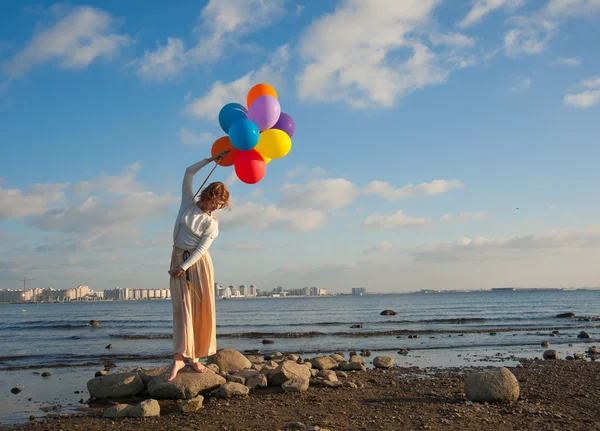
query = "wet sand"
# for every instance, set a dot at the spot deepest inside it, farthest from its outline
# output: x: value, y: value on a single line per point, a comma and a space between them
x: 555, y: 395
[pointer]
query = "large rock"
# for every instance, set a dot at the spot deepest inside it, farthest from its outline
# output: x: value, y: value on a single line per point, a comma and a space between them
x: 550, y: 354
x: 295, y: 385
x: 492, y: 386
x: 388, y: 313
x: 584, y: 334
x: 256, y: 359
x: 356, y: 358
x: 257, y: 381
x: 120, y: 385
x: 286, y: 371
x: 324, y: 363
x: 383, y: 361
x: 352, y: 366
x: 565, y: 316
x: 230, y: 390
x: 229, y: 360
x: 148, y: 375
x: 338, y: 358
x: 145, y: 409
x: 118, y: 411
x: 193, y: 405
x: 328, y: 375
x: 245, y: 374
x: 186, y: 385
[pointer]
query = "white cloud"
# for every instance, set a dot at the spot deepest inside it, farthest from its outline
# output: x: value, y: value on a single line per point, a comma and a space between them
x: 530, y: 36
x: 383, y: 246
x: 399, y: 220
x: 75, y: 41
x: 262, y: 217
x: 383, y: 58
x: 433, y: 188
x: 481, y: 8
x: 592, y: 82
x: 456, y: 40
x: 243, y: 246
x: 189, y: 138
x: 310, y: 174
x: 164, y: 62
x: 464, y: 217
x: 584, y: 100
x: 256, y: 193
x: 122, y: 184
x: 567, y: 61
x: 231, y: 179
x: 15, y: 203
x: 322, y: 194
x: 222, y: 25
x: 587, y: 98
x: 208, y: 106
x: 523, y: 85
x: 482, y: 248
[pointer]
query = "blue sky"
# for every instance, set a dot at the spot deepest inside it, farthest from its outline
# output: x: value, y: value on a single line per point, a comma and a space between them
x: 422, y: 125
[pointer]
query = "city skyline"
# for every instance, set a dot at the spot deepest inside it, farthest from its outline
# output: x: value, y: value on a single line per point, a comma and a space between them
x: 453, y: 147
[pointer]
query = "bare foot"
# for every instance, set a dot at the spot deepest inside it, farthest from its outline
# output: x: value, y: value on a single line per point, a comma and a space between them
x: 199, y: 367
x: 175, y: 368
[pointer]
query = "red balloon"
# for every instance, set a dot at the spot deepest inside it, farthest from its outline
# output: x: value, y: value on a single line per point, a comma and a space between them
x: 250, y: 166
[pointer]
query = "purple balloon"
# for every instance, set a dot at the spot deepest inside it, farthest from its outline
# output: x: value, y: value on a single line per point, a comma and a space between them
x: 264, y: 111
x: 285, y: 123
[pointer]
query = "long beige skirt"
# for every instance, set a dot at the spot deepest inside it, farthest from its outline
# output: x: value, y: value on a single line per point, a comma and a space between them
x: 194, y: 317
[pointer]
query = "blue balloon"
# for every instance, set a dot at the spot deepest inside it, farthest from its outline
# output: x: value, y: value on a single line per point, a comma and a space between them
x: 230, y: 113
x: 244, y: 134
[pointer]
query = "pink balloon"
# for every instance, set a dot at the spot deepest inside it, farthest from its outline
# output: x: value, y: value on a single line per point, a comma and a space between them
x: 265, y: 112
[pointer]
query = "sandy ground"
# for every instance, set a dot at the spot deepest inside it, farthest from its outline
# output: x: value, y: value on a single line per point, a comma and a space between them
x: 555, y: 395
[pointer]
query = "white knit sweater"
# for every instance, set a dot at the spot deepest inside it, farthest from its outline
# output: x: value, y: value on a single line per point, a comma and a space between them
x: 194, y: 229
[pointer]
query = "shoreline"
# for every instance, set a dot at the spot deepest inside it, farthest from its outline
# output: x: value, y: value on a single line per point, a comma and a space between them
x: 553, y: 395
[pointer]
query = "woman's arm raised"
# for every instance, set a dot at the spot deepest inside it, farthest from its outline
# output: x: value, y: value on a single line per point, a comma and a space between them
x: 187, y: 188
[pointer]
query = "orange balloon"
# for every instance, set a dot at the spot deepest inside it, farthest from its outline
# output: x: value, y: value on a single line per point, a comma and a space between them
x: 260, y: 90
x: 224, y: 144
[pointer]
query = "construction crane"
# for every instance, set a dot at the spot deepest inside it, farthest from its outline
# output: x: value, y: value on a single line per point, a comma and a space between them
x: 25, y: 280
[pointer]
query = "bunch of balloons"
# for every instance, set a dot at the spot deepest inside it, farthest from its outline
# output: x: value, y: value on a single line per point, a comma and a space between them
x: 255, y: 134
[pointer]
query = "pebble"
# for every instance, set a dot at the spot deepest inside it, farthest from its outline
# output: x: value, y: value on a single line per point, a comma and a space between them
x: 16, y: 390
x: 46, y: 374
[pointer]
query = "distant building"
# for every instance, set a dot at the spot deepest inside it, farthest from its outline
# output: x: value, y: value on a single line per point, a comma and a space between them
x: 253, y: 290
x: 359, y: 291
x: 243, y: 290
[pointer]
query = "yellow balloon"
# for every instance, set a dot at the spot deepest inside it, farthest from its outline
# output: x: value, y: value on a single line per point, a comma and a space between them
x: 274, y: 144
x: 267, y: 159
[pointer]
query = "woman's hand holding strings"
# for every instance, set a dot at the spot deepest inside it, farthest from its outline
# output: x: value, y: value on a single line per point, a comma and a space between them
x: 177, y: 272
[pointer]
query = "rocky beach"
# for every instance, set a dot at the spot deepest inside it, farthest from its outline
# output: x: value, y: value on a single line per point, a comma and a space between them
x: 337, y: 392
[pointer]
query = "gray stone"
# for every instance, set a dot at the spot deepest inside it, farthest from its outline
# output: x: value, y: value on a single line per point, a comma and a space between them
x: 286, y: 371
x: 145, y: 409
x: 94, y: 323
x: 492, y: 386
x: 584, y: 334
x: 383, y: 361
x: 236, y: 379
x: 101, y: 373
x: 292, y: 357
x: 192, y: 405
x: 350, y: 385
x: 338, y: 358
x: 314, y: 372
x: 257, y: 381
x: 214, y: 368
x: 341, y: 374
x: 294, y: 426
x: 565, y: 316
x: 295, y: 385
x: 545, y: 344
x: 578, y: 356
x: 120, y: 385
x: 256, y: 359
x: 229, y: 360
x: 186, y: 385
x: 230, y: 390
x: 356, y: 358
x: 352, y: 366
x: 118, y: 411
x: 550, y: 354
x: 148, y: 375
x: 327, y: 375
x: 314, y: 382
x: 324, y: 363
x: 388, y: 313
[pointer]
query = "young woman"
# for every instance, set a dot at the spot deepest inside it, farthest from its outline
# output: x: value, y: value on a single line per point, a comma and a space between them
x: 192, y: 277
